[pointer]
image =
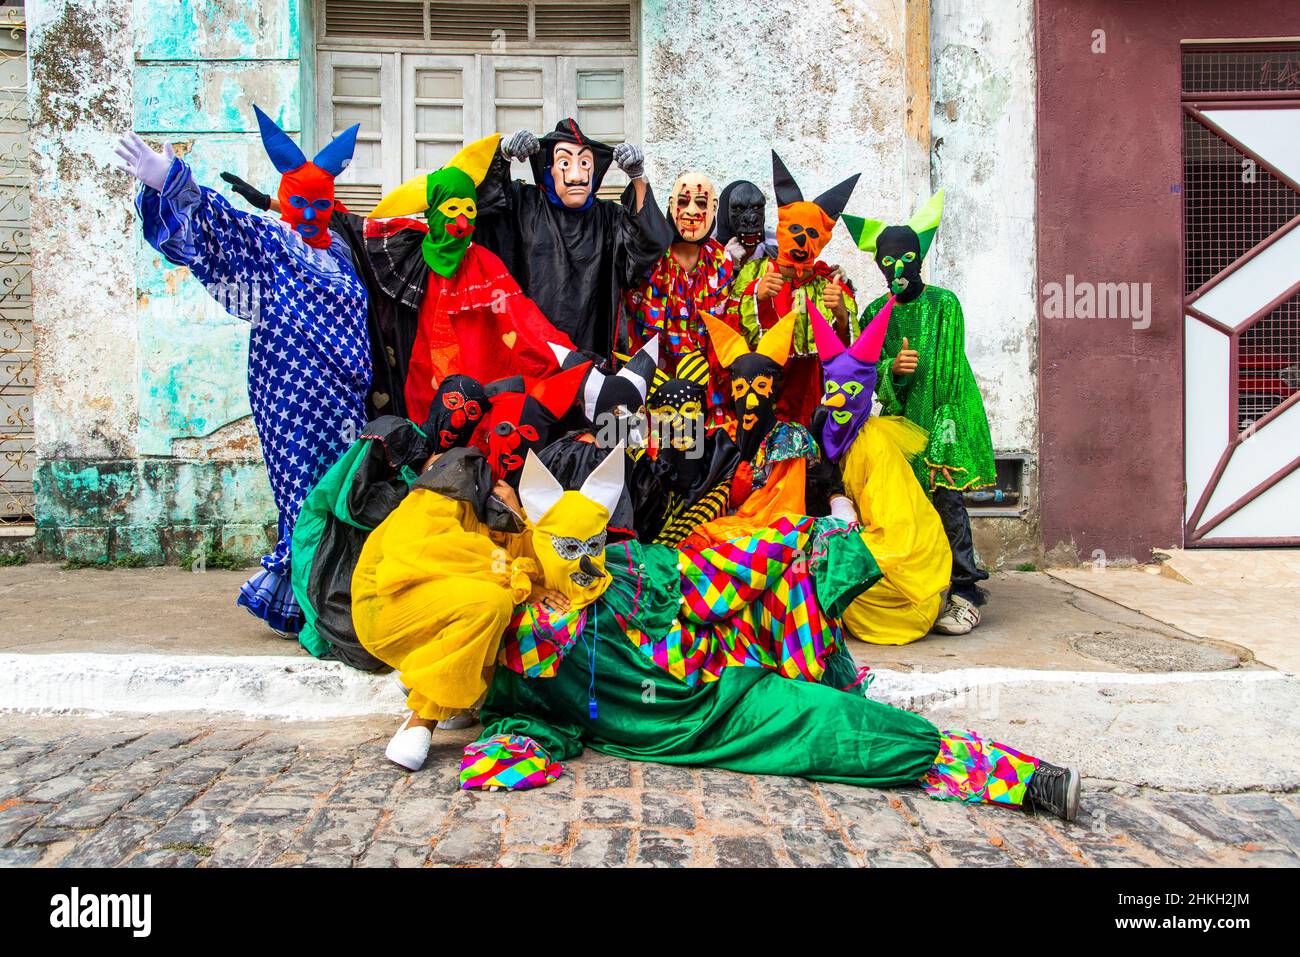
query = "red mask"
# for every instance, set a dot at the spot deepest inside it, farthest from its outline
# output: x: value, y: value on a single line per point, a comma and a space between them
x: 523, y: 412
x: 306, y: 191
x: 307, y: 202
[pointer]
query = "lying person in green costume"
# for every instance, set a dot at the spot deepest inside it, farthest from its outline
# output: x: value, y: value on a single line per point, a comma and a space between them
x: 650, y: 661
x: 924, y: 375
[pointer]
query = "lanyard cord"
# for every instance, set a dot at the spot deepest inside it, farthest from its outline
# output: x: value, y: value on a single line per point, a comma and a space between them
x: 593, y: 711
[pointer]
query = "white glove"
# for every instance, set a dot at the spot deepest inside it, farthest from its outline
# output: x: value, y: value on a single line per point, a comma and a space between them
x: 630, y: 160
x: 142, y: 162
x: 843, y: 509
x: 521, y: 145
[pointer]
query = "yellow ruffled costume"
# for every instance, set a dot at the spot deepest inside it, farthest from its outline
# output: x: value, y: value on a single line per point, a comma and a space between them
x: 903, y: 531
x: 431, y: 596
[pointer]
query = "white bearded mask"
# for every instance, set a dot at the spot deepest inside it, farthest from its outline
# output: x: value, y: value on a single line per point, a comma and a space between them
x: 692, y: 206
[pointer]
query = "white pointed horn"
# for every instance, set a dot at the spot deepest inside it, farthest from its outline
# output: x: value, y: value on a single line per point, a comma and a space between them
x: 640, y: 369
x: 604, y: 485
x: 595, y: 381
x: 560, y: 352
x: 538, y: 488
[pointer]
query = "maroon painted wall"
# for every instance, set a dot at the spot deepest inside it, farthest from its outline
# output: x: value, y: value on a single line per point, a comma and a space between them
x: 1109, y: 159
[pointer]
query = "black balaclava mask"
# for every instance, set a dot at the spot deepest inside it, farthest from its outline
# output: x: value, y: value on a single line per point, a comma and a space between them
x: 898, y: 254
x: 455, y: 412
x: 742, y: 213
x: 755, y: 386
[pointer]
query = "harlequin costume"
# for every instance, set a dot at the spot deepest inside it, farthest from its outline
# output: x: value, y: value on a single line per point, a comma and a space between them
x: 641, y: 666
x: 781, y: 470
x: 671, y: 302
x: 941, y: 396
x: 308, y: 350
x: 354, y: 497
x: 803, y: 230
x: 684, y: 479
x: 896, y: 519
x: 474, y: 318
x: 610, y: 405
x: 575, y: 263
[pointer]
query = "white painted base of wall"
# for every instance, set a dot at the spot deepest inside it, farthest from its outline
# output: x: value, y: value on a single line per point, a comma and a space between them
x: 284, y: 687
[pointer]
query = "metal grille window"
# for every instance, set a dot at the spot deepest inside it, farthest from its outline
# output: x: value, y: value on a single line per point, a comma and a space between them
x: 1230, y: 204
x: 423, y: 78
x: 17, y: 440
x: 1241, y: 256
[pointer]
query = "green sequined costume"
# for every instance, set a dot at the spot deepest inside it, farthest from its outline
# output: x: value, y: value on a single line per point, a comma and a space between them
x: 941, y: 396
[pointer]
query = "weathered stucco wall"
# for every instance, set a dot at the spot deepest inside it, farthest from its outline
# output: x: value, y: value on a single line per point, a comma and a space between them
x: 983, y: 125
x: 821, y: 82
x: 825, y: 84
x: 143, y: 432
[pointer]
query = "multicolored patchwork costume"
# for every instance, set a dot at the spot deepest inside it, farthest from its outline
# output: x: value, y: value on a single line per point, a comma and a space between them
x: 662, y: 656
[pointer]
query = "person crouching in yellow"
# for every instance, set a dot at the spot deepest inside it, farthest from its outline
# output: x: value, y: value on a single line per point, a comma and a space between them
x: 435, y: 588
x: 874, y: 453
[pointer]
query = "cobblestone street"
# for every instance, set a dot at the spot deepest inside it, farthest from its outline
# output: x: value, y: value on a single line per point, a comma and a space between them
x: 197, y: 792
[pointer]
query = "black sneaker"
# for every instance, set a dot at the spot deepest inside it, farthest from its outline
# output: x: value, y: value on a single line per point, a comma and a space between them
x: 1054, y: 789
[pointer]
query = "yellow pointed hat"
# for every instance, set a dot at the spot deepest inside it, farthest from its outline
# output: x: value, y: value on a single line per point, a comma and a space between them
x: 412, y: 197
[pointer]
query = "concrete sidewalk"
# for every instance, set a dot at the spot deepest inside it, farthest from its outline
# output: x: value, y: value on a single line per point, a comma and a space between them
x: 1244, y: 596
x: 159, y: 751
x: 1032, y: 621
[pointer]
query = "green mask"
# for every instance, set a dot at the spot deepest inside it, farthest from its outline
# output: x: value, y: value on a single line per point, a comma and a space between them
x: 451, y: 214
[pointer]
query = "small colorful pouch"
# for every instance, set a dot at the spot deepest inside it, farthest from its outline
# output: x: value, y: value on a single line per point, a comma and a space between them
x: 509, y: 761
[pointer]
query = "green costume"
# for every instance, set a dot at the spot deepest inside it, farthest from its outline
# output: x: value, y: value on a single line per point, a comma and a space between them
x: 750, y: 719
x: 351, y: 499
x: 941, y: 396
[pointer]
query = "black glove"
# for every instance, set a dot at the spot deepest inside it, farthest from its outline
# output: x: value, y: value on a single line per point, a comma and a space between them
x: 254, y: 197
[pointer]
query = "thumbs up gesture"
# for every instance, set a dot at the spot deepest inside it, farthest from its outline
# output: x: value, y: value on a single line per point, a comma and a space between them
x: 770, y: 283
x: 833, y: 297
x: 906, y: 360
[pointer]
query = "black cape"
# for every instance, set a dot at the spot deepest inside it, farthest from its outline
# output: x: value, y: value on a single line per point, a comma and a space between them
x: 392, y: 451
x: 574, y: 263
x: 395, y: 276
x: 667, y: 488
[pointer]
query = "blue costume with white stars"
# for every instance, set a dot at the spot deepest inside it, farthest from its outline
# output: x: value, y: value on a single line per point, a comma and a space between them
x: 308, y: 350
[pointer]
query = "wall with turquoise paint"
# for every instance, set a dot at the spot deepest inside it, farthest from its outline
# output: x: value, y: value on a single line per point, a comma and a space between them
x: 144, y: 438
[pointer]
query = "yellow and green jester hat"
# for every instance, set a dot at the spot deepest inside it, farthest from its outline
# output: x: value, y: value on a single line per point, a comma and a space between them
x: 900, y: 250
x: 449, y: 201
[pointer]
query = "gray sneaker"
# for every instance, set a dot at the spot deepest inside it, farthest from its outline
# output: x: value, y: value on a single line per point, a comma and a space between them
x: 958, y: 617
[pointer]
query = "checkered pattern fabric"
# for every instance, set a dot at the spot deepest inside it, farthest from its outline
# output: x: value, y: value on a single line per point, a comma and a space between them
x: 720, y: 582
x: 974, y: 771
x: 535, y: 641
x: 508, y: 761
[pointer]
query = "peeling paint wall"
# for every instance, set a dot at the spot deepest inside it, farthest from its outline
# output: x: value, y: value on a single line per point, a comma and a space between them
x: 142, y: 410
x: 983, y: 126
x: 144, y: 440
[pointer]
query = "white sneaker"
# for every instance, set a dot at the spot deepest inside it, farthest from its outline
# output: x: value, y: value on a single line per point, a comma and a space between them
x: 410, y: 746
x: 959, y: 616
x: 465, y: 719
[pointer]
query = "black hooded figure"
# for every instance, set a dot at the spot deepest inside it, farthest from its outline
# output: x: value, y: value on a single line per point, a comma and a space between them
x: 572, y: 256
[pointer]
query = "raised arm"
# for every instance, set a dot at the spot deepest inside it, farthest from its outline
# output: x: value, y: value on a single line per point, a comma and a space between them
x: 194, y: 226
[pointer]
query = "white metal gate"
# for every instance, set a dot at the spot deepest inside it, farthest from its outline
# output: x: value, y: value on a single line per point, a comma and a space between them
x: 1241, y: 225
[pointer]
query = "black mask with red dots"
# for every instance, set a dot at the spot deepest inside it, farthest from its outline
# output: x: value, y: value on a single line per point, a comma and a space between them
x: 455, y: 412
